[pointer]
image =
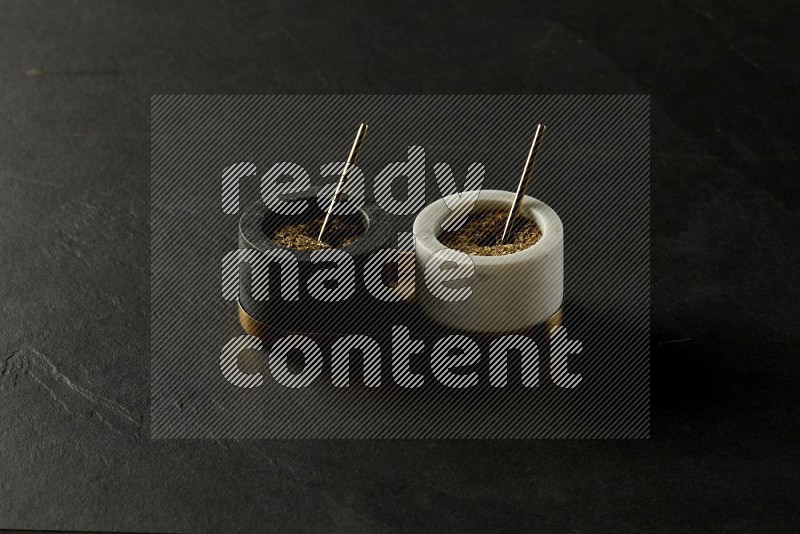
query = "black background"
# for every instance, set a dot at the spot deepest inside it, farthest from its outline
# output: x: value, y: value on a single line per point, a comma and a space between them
x: 75, y: 82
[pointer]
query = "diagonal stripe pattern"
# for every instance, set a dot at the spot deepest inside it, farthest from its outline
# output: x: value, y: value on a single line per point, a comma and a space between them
x: 208, y: 157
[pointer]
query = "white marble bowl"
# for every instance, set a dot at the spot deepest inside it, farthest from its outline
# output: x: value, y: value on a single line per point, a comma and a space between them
x: 511, y: 293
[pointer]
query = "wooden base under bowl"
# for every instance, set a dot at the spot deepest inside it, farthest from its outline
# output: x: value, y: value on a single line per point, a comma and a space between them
x: 264, y: 331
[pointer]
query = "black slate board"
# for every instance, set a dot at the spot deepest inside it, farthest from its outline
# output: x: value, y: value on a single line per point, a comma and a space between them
x: 76, y: 79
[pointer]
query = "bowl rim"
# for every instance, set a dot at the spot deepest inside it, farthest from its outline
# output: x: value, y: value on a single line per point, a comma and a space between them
x: 427, y: 225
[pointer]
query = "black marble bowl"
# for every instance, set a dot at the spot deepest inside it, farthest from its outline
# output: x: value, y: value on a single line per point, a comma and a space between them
x: 359, y: 313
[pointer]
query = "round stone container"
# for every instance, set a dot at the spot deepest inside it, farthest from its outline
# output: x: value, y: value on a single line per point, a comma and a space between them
x: 274, y: 313
x: 509, y: 293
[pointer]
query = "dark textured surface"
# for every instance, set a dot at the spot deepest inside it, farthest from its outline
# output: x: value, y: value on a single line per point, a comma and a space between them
x: 75, y: 83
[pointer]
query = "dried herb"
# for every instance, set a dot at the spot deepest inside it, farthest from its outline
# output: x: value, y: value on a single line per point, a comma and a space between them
x: 480, y: 235
x: 303, y: 236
